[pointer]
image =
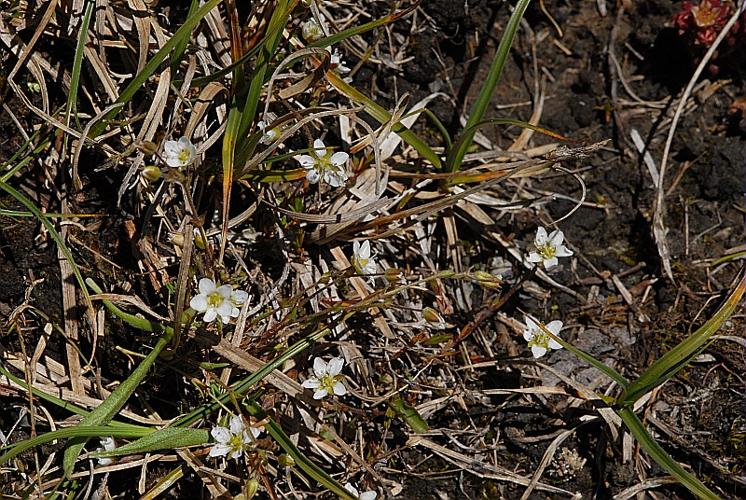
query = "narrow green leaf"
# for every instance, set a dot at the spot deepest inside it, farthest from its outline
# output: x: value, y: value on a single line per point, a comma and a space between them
x: 607, y: 370
x: 456, y: 155
x: 651, y: 446
x: 65, y: 405
x: 306, y: 464
x: 72, y: 98
x: 111, y: 405
x: 680, y: 356
x: 79, y: 431
x: 363, y: 28
x: 183, y: 43
x: 168, y: 438
x: 409, y: 414
x: 184, y: 32
x: 382, y: 116
x: 53, y: 232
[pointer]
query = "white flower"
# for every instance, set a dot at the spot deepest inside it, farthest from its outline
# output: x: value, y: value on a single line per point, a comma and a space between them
x: 179, y: 153
x: 327, y: 380
x: 548, y: 248
x: 312, y: 30
x: 323, y: 164
x: 268, y: 136
x: 361, y: 258
x: 337, y: 64
x: 107, y: 444
x: 366, y: 495
x: 217, y: 301
x: 537, y: 339
x: 234, y: 439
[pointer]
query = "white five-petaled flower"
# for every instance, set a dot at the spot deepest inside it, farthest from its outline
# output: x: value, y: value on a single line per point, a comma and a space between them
x: 362, y: 259
x: 107, y: 444
x: 548, y: 248
x: 366, y: 495
x: 179, y: 153
x: 233, y: 439
x: 215, y: 301
x: 327, y: 379
x: 323, y: 164
x: 312, y: 30
x: 537, y: 339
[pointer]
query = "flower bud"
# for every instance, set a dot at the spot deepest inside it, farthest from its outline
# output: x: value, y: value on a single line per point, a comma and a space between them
x: 199, y: 241
x: 148, y: 148
x: 178, y: 240
x: 252, y: 486
x: 431, y: 315
x: 286, y: 460
x: 392, y: 274
x: 488, y: 280
x: 151, y: 173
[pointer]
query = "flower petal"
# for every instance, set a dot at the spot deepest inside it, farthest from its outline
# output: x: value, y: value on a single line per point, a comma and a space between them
x: 312, y: 383
x: 305, y: 161
x: 239, y: 297
x: 554, y: 326
x: 364, y: 251
x: 562, y: 251
x: 339, y: 389
x: 313, y: 176
x: 255, y: 431
x: 219, y: 450
x: 206, y: 286
x: 368, y: 495
x: 541, y: 237
x: 349, y: 487
x: 220, y: 434
x: 225, y: 291
x: 553, y: 344
x: 528, y: 335
x: 225, y: 309
x: 210, y: 315
x: 319, y: 147
x: 237, y: 424
x: 198, y: 303
x: 335, y: 366
x: 320, y: 367
x: 551, y: 262
x: 339, y: 158
x: 319, y: 394
x: 556, y: 238
x: 538, y: 351
x: 534, y: 257
x: 237, y: 453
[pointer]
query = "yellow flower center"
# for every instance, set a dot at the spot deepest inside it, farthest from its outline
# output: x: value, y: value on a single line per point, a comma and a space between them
x: 327, y: 382
x: 547, y: 251
x: 214, y: 299
x: 236, y: 442
x: 184, y: 155
x: 540, y: 339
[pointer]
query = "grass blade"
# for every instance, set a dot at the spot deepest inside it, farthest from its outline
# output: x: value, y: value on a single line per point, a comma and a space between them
x: 79, y: 431
x: 184, y: 32
x: 306, y: 465
x: 53, y: 233
x: 456, y: 155
x: 680, y: 356
x: 168, y: 438
x: 116, y: 400
x: 382, y: 116
x: 662, y: 458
